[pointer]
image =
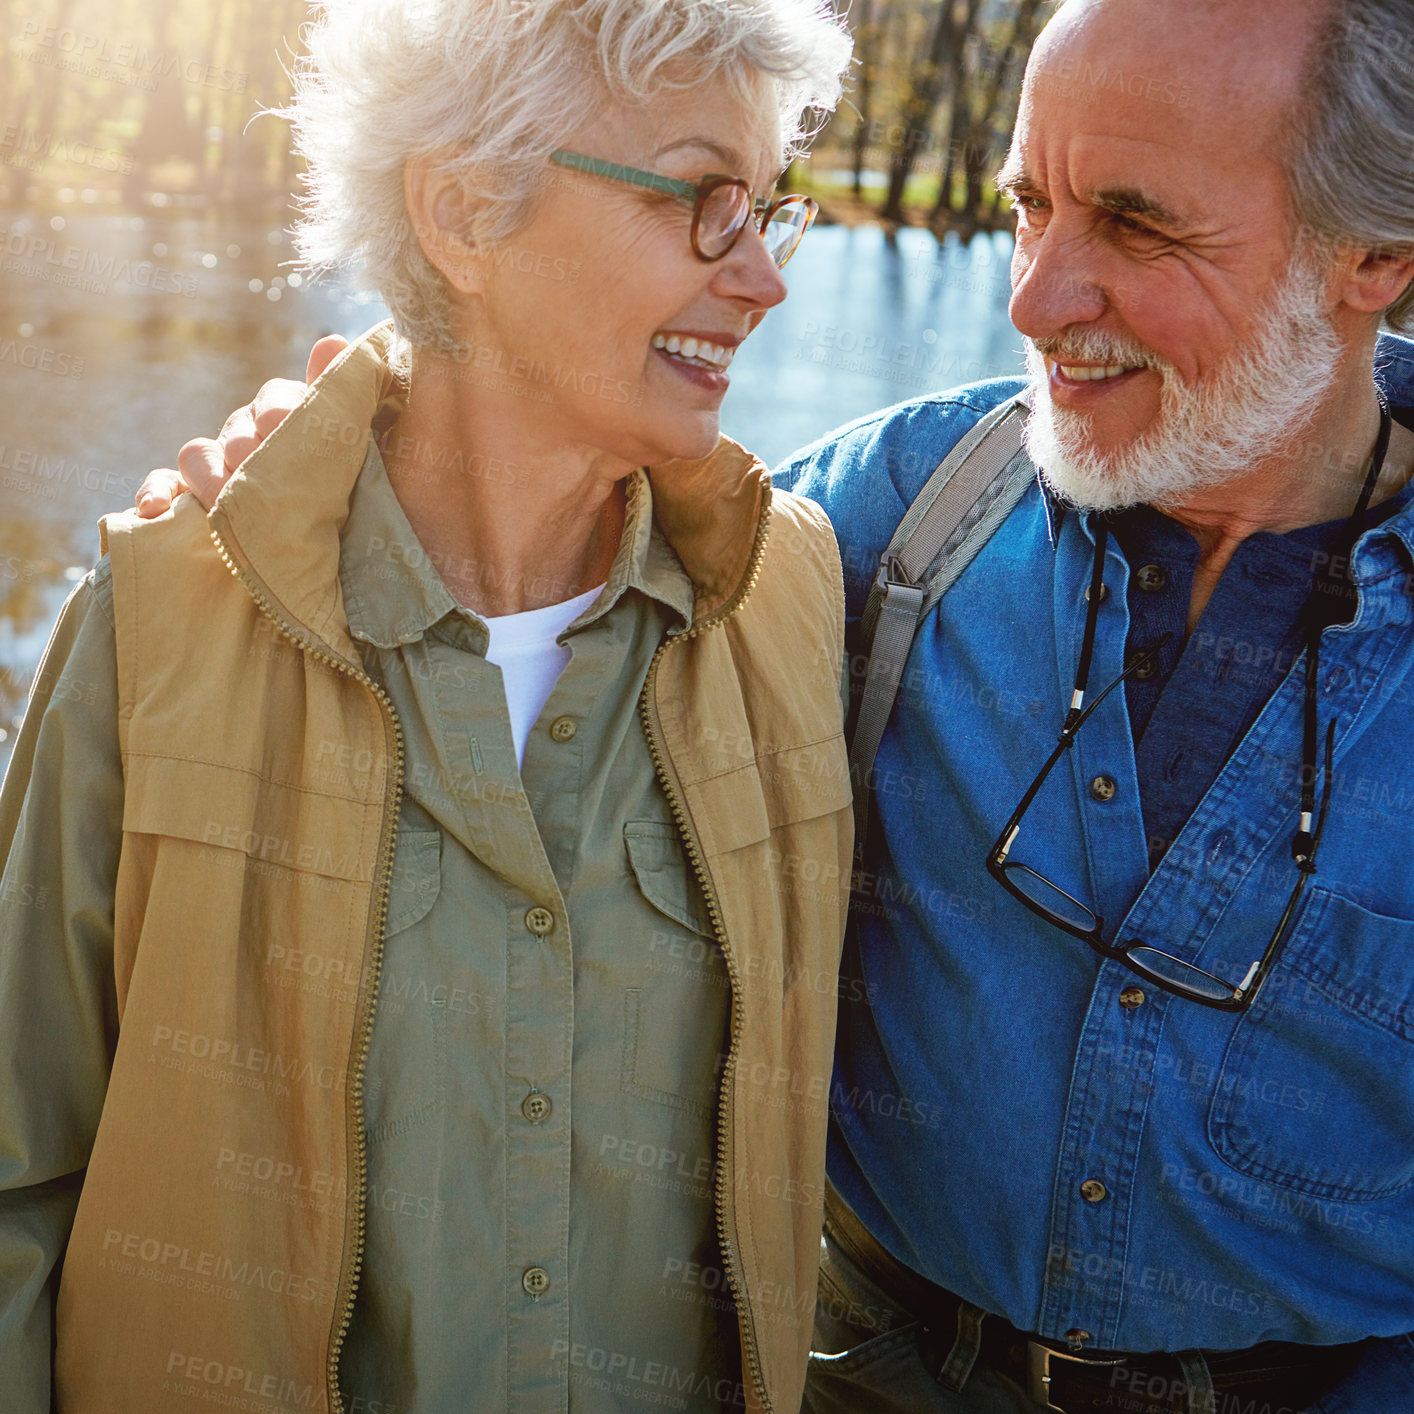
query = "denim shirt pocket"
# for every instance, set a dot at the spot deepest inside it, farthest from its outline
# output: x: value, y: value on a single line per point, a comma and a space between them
x: 1316, y: 1091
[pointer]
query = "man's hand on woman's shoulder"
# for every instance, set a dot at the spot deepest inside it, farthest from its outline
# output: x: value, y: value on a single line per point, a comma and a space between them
x: 205, y: 464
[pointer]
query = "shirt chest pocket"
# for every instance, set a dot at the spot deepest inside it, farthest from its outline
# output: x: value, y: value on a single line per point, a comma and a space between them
x: 1316, y: 1091
x: 675, y: 1013
x: 405, y: 1083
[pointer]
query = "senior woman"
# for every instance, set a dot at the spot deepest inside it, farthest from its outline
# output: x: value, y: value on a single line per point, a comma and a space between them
x: 407, y: 997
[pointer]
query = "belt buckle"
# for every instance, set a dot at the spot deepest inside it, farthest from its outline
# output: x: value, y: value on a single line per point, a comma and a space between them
x: 1038, y: 1371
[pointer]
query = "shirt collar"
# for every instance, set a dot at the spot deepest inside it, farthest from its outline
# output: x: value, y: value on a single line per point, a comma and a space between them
x: 393, y: 594
x: 1400, y: 525
x: 645, y: 561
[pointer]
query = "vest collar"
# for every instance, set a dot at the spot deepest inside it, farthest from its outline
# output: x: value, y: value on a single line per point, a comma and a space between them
x: 278, y: 518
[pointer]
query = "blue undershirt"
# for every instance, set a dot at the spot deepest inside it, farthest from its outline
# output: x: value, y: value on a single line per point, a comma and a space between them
x: 1201, y: 697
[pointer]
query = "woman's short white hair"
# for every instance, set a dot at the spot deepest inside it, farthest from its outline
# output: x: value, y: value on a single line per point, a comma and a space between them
x: 491, y: 88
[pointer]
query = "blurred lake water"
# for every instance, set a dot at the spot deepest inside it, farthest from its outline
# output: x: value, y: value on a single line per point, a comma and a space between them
x: 122, y: 336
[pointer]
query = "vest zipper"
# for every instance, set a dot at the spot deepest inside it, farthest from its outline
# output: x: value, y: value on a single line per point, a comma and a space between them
x: 344, y: 1300
x: 688, y: 832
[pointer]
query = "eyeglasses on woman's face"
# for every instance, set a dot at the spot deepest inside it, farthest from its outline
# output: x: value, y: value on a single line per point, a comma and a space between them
x: 722, y: 207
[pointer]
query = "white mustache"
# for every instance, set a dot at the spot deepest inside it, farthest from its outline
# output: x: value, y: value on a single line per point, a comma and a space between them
x: 1094, y: 346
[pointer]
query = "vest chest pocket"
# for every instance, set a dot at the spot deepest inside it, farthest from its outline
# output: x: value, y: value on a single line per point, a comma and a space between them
x: 1316, y: 1090
x: 405, y: 1083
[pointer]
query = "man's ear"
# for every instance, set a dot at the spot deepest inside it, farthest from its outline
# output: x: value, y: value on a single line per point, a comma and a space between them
x: 437, y: 206
x: 1371, y: 280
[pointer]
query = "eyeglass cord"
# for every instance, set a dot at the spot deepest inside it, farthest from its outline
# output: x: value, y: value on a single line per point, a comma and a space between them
x: 1323, y: 585
x: 1303, y: 844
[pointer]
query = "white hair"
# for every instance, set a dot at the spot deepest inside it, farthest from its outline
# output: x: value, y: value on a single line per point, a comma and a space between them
x: 1262, y: 399
x: 489, y: 88
x: 1352, y: 179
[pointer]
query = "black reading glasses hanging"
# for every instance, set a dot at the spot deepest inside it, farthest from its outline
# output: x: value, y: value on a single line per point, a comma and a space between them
x: 1330, y: 595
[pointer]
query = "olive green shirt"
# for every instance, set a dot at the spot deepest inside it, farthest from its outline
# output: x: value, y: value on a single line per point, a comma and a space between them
x: 540, y: 1090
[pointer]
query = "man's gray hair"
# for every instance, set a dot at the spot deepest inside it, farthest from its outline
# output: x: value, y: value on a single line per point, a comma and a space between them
x: 1352, y: 168
x: 489, y: 88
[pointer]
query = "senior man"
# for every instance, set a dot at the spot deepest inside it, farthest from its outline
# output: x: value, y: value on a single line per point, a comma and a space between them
x: 1109, y: 1093
x: 1144, y: 1144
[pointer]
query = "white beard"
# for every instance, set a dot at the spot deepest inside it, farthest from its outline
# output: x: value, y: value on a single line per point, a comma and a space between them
x: 1260, y: 402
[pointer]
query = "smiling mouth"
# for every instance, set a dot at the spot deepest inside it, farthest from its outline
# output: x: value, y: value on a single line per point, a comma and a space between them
x: 697, y: 353
x: 1078, y: 374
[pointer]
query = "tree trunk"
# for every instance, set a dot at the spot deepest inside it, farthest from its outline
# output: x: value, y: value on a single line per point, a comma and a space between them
x: 979, y: 157
x: 922, y: 91
x: 866, y: 42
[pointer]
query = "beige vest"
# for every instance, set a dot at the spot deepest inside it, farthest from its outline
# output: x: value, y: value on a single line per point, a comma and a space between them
x: 219, y: 1236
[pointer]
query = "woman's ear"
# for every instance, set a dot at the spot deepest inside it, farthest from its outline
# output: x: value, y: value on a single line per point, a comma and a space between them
x: 437, y: 206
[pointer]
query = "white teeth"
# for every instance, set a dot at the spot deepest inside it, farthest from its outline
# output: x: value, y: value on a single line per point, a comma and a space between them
x: 1093, y: 375
x: 701, y: 351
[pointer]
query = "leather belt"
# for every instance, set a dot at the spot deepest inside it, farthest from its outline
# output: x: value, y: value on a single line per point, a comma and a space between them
x: 1281, y: 1377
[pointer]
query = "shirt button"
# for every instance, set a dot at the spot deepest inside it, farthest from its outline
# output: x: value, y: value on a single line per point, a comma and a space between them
x: 1077, y: 1339
x: 536, y: 1281
x: 1146, y: 669
x: 563, y: 729
x: 1103, y: 788
x: 1093, y: 1191
x: 539, y: 921
x: 536, y: 1106
x: 1104, y: 593
x: 1131, y: 997
x: 1151, y: 578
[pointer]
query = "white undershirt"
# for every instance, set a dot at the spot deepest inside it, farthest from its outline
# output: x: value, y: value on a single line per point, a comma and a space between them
x: 523, y: 647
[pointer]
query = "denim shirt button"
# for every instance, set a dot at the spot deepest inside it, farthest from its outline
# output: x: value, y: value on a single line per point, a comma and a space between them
x: 1103, y: 788
x: 1151, y: 578
x: 1093, y: 1191
x: 1132, y: 997
x: 1145, y: 670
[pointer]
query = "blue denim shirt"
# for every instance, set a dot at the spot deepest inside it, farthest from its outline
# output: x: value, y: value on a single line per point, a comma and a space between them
x: 1191, y: 705
x: 1160, y: 1175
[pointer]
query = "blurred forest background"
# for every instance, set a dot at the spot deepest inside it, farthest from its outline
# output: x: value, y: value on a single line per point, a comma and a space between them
x: 147, y: 280
x: 146, y: 103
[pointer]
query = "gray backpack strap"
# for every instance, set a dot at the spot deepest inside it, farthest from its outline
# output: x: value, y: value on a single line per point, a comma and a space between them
x: 972, y: 491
